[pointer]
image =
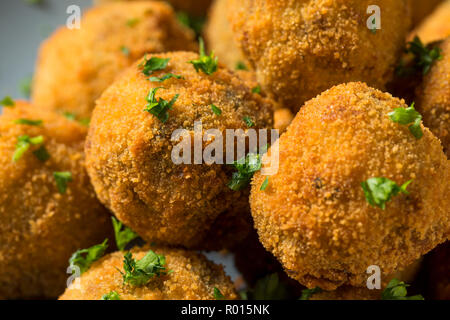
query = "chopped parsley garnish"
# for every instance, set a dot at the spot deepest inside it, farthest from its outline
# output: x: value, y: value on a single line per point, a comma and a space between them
x: 42, y: 154
x: 25, y: 86
x: 206, y: 64
x: 423, y: 58
x: 308, y: 293
x: 194, y: 23
x: 257, y: 89
x: 23, y: 144
x: 112, y: 295
x: 216, y: 110
x: 123, y: 237
x: 62, y: 179
x: 84, y: 258
x: 139, y: 273
x: 159, y: 108
x: 378, y: 191
x: 268, y: 288
x: 245, y: 171
x: 72, y: 117
x: 241, y: 66
x: 132, y: 22
x: 153, y: 64
x: 125, y: 51
x: 396, y: 290
x: 249, y: 122
x: 410, y: 117
x: 7, y: 102
x: 29, y: 122
x: 218, y: 295
x: 265, y: 184
x: 165, y: 77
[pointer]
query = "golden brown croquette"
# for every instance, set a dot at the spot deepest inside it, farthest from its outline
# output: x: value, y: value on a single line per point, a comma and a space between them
x: 129, y: 152
x: 436, y: 26
x: 282, y: 118
x: 40, y: 227
x: 301, y: 48
x: 422, y: 9
x: 76, y: 66
x: 191, y: 277
x: 314, y: 216
x: 433, y: 97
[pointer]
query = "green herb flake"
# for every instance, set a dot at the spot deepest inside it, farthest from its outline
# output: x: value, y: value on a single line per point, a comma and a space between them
x: 153, y: 64
x: 84, y: 258
x: 257, y: 89
x: 132, y: 22
x: 378, y: 191
x: 165, y: 77
x: 396, y: 290
x: 308, y: 293
x: 241, y: 66
x: 112, y: 295
x: 7, y: 102
x: 28, y: 122
x: 265, y: 184
x: 410, y: 117
x: 216, y: 110
x: 25, y: 86
x: 159, y: 108
x: 218, y: 295
x: 42, y: 154
x: 139, y: 273
x: 24, y: 143
x: 245, y: 171
x: 424, y: 56
x: 192, y: 22
x: 207, y: 64
x: 124, y: 235
x: 269, y: 288
x: 125, y: 51
x: 249, y: 122
x: 62, y: 179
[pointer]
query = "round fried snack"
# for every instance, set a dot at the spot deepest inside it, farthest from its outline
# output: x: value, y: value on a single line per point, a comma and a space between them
x: 131, y: 153
x: 282, y: 118
x: 195, y: 7
x: 436, y: 26
x: 301, y: 48
x: 421, y: 9
x: 76, y: 66
x: 314, y: 215
x: 41, y: 226
x: 189, y: 276
x: 220, y: 37
x: 433, y: 97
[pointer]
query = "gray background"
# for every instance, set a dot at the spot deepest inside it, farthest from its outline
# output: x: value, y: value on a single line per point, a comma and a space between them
x: 23, y: 27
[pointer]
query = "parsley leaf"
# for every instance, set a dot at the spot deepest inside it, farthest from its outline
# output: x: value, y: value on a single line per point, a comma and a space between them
x: 62, y: 178
x: 269, y: 288
x: 123, y: 237
x: 7, y: 102
x: 125, y: 51
x: 165, y: 77
x: 42, y: 154
x: 84, y: 258
x: 396, y: 290
x: 23, y: 144
x: 408, y: 116
x: 245, y: 171
x: 218, y: 295
x: 257, y: 89
x: 194, y: 23
x: 308, y: 293
x: 112, y: 295
x: 29, y: 122
x: 216, y: 110
x: 153, y: 64
x: 265, y: 184
x: 139, y: 273
x: 159, y: 108
x: 241, y: 66
x: 378, y: 191
x: 206, y: 64
x: 249, y: 122
x: 423, y: 57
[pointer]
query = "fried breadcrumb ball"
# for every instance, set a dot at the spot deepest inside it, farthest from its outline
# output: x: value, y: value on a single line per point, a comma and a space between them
x: 195, y: 7
x: 433, y: 97
x: 282, y: 118
x: 314, y: 215
x: 130, y: 154
x: 40, y: 225
x: 436, y: 26
x: 220, y: 37
x: 190, y: 276
x: 301, y: 48
x: 76, y: 66
x: 421, y: 9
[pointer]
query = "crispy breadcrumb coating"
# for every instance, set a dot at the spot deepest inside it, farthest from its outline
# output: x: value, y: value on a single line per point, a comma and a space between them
x: 40, y: 227
x: 313, y: 215
x: 129, y: 153
x: 192, y: 277
x: 301, y: 48
x: 436, y: 26
x: 220, y: 37
x: 76, y: 66
x: 433, y: 97
x: 282, y: 118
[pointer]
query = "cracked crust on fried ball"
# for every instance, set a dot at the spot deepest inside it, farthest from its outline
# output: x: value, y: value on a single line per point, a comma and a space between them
x: 313, y: 215
x: 39, y: 227
x: 302, y: 48
x: 129, y: 154
x: 433, y: 97
x: 191, y: 277
x: 75, y: 66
